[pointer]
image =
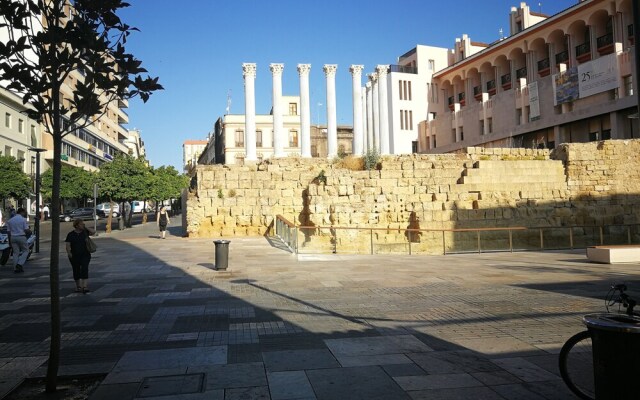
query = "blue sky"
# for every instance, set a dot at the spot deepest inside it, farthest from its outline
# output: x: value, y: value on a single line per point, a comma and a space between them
x: 197, y: 48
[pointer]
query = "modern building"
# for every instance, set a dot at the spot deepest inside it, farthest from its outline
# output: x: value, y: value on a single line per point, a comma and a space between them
x: 135, y: 144
x: 554, y: 79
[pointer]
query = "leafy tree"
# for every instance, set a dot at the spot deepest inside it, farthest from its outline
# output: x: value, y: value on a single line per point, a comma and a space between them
x: 75, y: 183
x: 48, y: 41
x: 124, y: 179
x: 13, y: 181
x: 167, y: 183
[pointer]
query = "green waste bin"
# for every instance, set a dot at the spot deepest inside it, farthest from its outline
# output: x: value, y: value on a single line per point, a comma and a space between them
x: 615, y: 340
x: 222, y: 254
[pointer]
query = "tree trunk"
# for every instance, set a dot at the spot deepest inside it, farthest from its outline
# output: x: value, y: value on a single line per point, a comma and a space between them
x: 110, y: 217
x: 54, y: 279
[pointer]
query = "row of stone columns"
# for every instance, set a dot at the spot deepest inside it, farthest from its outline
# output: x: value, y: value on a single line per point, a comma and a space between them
x: 370, y: 111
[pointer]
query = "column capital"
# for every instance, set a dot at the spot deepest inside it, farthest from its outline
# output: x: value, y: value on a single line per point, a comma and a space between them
x: 373, y: 77
x: 330, y: 69
x: 249, y: 69
x: 356, y: 69
x: 304, y: 69
x: 276, y: 69
x: 382, y: 69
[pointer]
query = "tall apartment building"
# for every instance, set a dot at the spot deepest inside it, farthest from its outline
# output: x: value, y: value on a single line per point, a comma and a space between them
x: 554, y: 79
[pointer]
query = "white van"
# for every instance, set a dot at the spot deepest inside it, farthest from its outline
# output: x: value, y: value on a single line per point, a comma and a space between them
x: 137, y: 206
x: 106, y: 207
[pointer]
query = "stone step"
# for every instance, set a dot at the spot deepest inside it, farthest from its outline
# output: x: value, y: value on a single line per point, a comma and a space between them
x: 509, y: 178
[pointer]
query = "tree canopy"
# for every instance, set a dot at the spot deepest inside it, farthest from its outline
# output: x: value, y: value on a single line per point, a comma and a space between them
x: 125, y: 178
x: 75, y: 183
x: 13, y: 181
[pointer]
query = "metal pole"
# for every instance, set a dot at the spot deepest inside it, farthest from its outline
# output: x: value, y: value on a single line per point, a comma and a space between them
x: 95, y: 211
x: 636, y: 26
x: 36, y: 227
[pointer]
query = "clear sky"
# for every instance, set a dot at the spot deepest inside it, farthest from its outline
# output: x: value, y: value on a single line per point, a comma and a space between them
x: 197, y: 48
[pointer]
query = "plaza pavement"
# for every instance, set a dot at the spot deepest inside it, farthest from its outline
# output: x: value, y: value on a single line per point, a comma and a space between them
x: 161, y: 323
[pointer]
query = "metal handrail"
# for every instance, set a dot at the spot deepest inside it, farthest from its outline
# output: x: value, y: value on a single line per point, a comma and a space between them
x: 543, y: 64
x: 505, y: 79
x: 521, y: 73
x: 504, y: 239
x: 562, y: 57
x: 584, y: 48
x: 491, y: 84
x: 605, y: 40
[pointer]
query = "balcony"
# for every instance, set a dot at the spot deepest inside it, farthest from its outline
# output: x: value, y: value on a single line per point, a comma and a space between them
x: 521, y: 73
x: 544, y: 67
x: 583, y: 52
x: 403, y: 68
x: 491, y: 87
x: 505, y: 80
x: 462, y: 98
x: 562, y: 57
x: 477, y: 92
x: 605, y: 43
x: 630, y: 33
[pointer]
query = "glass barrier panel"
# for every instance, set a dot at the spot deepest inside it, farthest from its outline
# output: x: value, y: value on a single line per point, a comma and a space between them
x: 494, y: 240
x: 585, y: 236
x: 461, y: 241
x: 556, y: 238
x: 316, y: 241
x: 615, y: 234
x: 426, y: 243
x: 526, y: 239
x: 353, y: 241
x: 390, y: 242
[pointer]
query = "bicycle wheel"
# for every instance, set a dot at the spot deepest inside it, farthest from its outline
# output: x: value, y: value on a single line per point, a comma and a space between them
x: 576, y: 365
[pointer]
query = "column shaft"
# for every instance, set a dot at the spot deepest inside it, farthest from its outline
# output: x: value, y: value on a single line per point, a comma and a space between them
x: 384, y: 109
x: 305, y: 112
x: 249, y: 73
x: 278, y: 134
x: 376, y: 112
x: 332, y: 127
x: 356, y: 77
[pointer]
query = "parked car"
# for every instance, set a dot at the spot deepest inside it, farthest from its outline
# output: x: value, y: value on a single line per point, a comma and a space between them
x: 138, y: 206
x: 82, y: 212
x: 104, y: 208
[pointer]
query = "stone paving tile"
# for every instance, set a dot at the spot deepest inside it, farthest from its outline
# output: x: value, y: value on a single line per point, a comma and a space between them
x: 449, y: 314
x: 254, y: 393
x: 290, y: 385
x: 232, y: 375
x: 440, y: 381
x: 475, y: 393
x: 172, y: 358
x: 376, y: 359
x: 291, y: 360
x: 361, y: 383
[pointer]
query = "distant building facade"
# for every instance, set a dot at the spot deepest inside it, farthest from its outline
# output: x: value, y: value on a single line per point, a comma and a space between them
x: 191, y: 151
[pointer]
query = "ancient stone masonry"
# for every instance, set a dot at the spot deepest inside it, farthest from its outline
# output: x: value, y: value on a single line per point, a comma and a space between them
x: 577, y: 184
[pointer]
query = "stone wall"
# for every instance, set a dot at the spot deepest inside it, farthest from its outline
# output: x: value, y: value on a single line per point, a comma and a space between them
x: 577, y: 184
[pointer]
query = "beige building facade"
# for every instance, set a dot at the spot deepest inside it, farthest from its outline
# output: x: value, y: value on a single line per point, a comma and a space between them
x: 558, y: 79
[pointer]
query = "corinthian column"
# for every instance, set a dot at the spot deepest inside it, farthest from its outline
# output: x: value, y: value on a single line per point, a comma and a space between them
x: 332, y: 128
x: 363, y: 115
x: 278, y: 134
x: 305, y: 112
x: 370, y: 144
x: 384, y: 108
x: 356, y: 77
x: 375, y: 110
x: 249, y: 74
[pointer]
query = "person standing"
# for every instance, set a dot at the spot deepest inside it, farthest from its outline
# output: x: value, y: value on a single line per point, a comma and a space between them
x: 79, y: 256
x: 18, y: 230
x: 163, y: 220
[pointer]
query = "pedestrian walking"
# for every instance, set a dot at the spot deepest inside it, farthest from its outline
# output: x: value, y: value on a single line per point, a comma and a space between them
x: 79, y: 255
x: 163, y: 220
x: 18, y: 230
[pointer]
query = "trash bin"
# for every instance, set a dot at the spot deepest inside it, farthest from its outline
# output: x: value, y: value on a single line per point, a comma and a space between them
x: 222, y: 254
x: 616, y: 345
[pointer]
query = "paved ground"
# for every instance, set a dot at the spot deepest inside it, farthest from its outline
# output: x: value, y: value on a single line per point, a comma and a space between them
x: 161, y: 321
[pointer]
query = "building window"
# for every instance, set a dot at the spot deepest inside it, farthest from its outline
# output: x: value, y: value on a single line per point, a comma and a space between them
x: 628, y: 85
x: 7, y: 120
x: 414, y: 146
x: 239, y: 138
x: 401, y: 119
x: 293, y: 138
x: 404, y: 84
x: 454, y: 136
x: 432, y: 65
x: 409, y: 93
x: 20, y: 126
x: 489, y: 125
x: 7, y: 151
x: 258, y: 138
x: 400, y: 89
x: 461, y: 134
x: 518, y: 116
x: 410, y: 120
x: 481, y: 127
x: 593, y: 136
x: 293, y: 109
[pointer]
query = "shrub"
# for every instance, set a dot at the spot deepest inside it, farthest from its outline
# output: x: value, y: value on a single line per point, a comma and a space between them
x: 321, y: 178
x: 220, y: 194
x: 351, y: 163
x: 371, y: 159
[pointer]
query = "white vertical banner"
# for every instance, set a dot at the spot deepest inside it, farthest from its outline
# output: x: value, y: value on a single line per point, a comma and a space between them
x: 598, y: 75
x: 534, y: 101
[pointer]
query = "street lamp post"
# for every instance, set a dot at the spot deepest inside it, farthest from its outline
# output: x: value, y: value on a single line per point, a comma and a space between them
x: 36, y: 227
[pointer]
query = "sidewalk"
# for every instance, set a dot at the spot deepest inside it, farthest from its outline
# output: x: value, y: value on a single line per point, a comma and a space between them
x: 161, y: 323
